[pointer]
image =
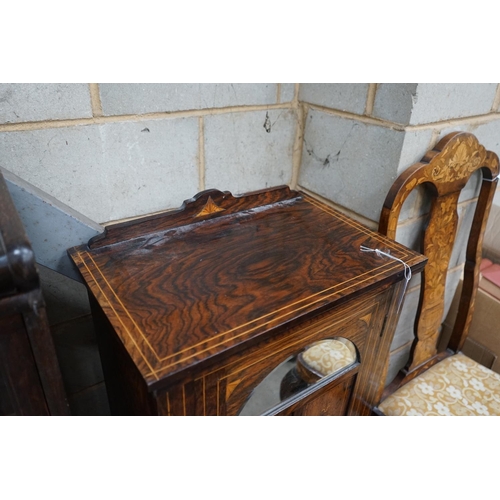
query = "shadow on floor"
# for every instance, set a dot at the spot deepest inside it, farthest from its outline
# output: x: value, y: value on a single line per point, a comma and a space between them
x: 75, y: 341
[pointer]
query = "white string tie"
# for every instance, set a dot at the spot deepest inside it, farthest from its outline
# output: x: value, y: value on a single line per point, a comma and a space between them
x: 380, y: 253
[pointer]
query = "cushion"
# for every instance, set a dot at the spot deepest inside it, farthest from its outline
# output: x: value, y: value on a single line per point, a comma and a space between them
x: 329, y: 356
x: 455, y: 386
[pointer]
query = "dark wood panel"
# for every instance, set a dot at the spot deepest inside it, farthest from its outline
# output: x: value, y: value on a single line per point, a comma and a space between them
x: 202, y: 303
x: 203, y: 206
x: 225, y: 387
x: 352, y: 321
x: 331, y: 400
x: 179, y: 297
x: 126, y: 389
x: 21, y: 390
x: 30, y: 380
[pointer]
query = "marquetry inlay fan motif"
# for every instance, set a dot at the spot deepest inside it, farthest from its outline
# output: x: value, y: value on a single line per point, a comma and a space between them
x: 209, y: 208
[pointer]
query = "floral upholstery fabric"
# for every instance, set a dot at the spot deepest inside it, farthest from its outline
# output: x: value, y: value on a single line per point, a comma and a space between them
x: 455, y: 386
x: 329, y: 356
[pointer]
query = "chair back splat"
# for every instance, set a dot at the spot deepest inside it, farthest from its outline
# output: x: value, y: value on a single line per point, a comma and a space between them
x: 445, y: 170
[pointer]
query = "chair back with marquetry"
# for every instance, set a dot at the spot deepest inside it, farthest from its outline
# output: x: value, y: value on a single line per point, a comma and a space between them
x: 445, y: 170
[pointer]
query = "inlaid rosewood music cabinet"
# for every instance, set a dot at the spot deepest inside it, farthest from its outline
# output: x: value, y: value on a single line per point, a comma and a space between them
x: 196, y: 309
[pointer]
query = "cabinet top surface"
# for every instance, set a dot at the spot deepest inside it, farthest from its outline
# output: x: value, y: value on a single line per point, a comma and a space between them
x: 184, y: 286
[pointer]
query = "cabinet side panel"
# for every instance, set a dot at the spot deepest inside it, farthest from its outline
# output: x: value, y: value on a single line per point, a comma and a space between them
x: 127, y: 391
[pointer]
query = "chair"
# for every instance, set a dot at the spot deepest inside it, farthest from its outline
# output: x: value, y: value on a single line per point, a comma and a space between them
x: 445, y: 382
x: 30, y: 379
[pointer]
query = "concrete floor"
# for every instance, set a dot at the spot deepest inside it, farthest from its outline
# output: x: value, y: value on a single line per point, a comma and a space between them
x: 72, y: 328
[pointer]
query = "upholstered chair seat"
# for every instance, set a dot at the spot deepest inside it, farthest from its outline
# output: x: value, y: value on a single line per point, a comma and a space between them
x: 320, y: 359
x: 455, y: 386
x: 326, y: 357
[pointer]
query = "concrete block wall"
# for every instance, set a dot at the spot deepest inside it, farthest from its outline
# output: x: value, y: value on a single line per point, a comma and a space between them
x: 113, y: 151
x: 358, y: 138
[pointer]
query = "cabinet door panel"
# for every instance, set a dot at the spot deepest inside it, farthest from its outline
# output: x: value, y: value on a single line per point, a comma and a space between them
x: 329, y: 401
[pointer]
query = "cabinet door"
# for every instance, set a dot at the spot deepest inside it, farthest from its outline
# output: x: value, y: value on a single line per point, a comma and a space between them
x: 316, y: 381
x: 331, y: 400
x: 267, y: 378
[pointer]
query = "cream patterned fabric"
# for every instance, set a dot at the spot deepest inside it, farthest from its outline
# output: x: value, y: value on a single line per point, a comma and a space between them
x: 330, y: 355
x: 455, y: 386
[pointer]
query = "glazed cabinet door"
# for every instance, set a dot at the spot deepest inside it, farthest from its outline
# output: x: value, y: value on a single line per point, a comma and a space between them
x: 268, y: 379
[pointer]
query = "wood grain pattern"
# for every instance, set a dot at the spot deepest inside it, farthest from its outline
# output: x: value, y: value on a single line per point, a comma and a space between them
x: 191, y: 209
x: 445, y: 171
x: 437, y: 245
x: 181, y: 296
x: 354, y: 321
x: 188, y: 293
x: 224, y: 388
x: 328, y: 401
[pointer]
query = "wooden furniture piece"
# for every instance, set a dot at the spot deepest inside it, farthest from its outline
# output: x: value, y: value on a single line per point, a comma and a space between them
x: 195, y: 308
x: 445, y: 382
x: 30, y: 380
